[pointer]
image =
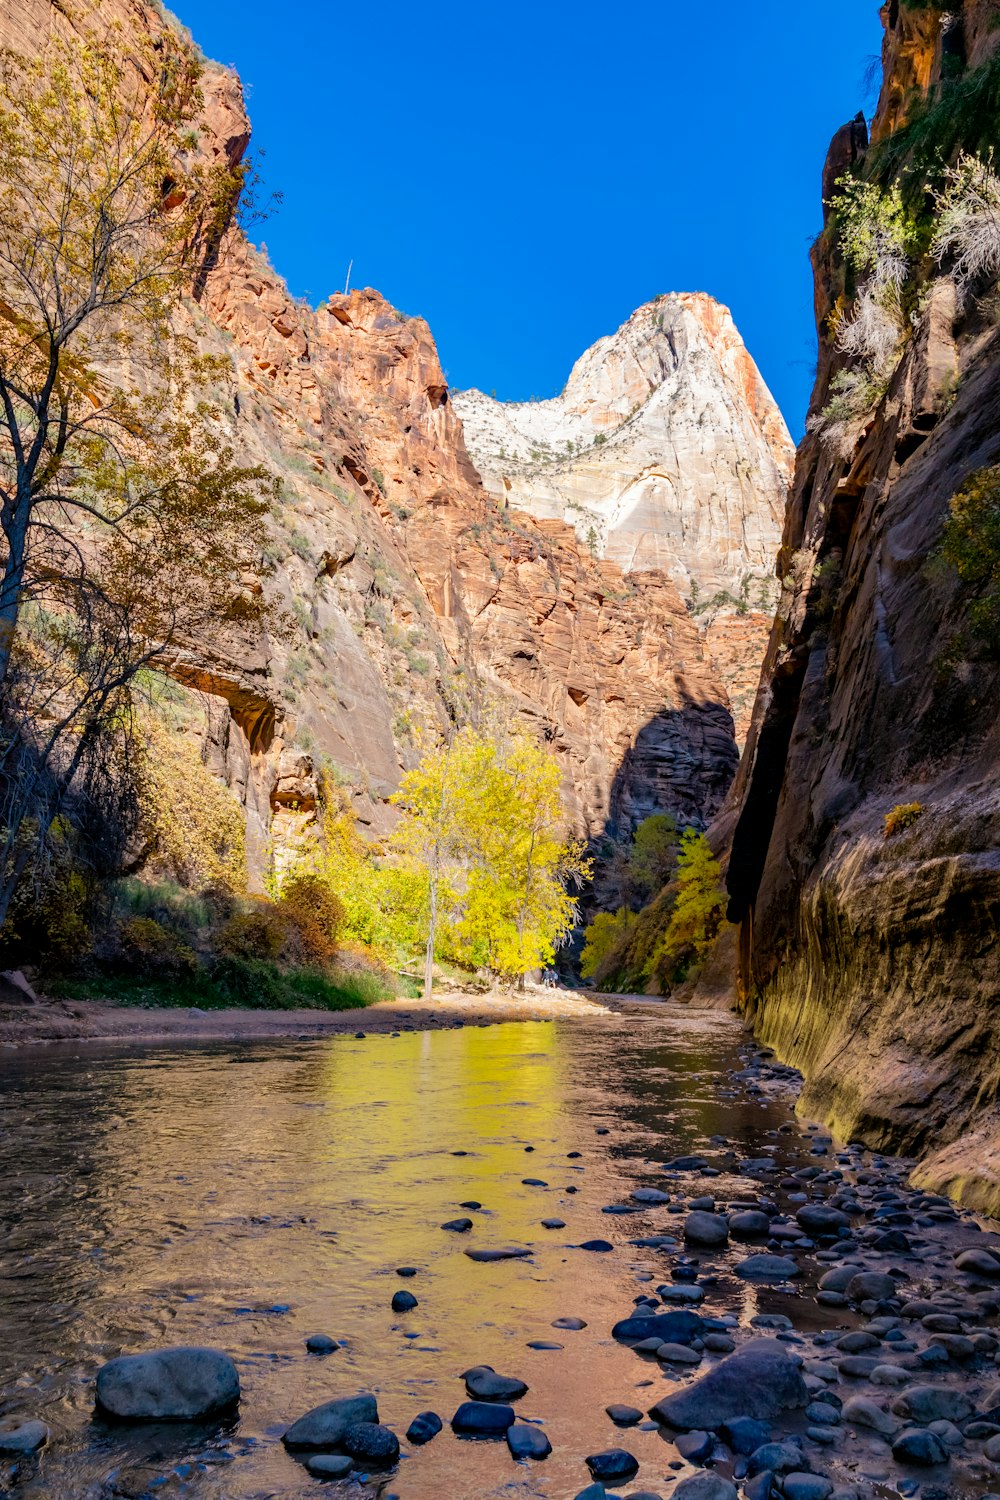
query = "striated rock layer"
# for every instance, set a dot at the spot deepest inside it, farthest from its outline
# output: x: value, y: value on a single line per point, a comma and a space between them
x: 872, y: 962
x: 665, y: 452
x: 408, y: 592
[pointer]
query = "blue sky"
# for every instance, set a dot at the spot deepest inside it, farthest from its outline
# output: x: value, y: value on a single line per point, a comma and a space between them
x: 524, y: 175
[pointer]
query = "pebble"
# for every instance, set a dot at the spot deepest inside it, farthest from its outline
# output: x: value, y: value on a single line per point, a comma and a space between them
x: 321, y: 1343
x: 403, y: 1302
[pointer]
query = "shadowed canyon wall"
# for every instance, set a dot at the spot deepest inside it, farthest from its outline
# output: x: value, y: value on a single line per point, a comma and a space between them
x: 871, y: 961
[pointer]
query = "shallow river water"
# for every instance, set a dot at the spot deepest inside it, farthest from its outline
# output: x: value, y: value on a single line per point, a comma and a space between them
x: 249, y: 1196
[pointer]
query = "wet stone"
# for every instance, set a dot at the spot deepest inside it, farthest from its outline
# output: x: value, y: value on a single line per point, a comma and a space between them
x: 919, y: 1446
x: 178, y: 1384
x: 708, y: 1229
x: 425, y: 1426
x: 614, y: 1463
x: 371, y: 1442
x: 23, y: 1439
x: 321, y: 1343
x: 324, y: 1426
x: 767, y: 1268
x: 329, y: 1465
x: 484, y: 1384
x: 624, y: 1416
x: 525, y: 1441
x: 403, y: 1302
x: 482, y: 1419
x: 694, y: 1447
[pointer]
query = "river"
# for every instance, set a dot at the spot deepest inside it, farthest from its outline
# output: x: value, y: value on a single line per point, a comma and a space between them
x: 248, y: 1196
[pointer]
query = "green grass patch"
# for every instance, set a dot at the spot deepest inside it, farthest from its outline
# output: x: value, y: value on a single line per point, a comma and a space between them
x: 234, y: 983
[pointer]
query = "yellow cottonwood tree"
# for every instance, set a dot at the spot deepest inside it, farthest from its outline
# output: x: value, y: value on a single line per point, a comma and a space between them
x: 484, y: 820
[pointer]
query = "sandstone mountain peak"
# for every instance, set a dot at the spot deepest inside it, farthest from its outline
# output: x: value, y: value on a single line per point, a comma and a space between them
x: 665, y: 450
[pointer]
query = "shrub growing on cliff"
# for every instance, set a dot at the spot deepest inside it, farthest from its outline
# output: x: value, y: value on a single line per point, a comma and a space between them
x: 902, y: 816
x: 967, y: 231
x: 876, y: 235
x: 970, y: 546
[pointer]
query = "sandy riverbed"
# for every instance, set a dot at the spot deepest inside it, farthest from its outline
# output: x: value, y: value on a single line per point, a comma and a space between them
x: 48, y: 1021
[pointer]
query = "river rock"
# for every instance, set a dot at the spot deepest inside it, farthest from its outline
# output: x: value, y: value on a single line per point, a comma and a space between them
x: 678, y: 1354
x: 819, y: 1219
x: 525, y: 1441
x: 918, y: 1446
x: 25, y: 1438
x: 500, y: 1252
x: 320, y: 1343
x: 458, y: 1226
x: 777, y: 1458
x: 744, y: 1435
x: 329, y: 1465
x: 925, y: 1404
x: 677, y: 1327
x: 758, y: 1381
x: 180, y: 1384
x: 425, y: 1426
x: 624, y: 1416
x: 484, y: 1384
x: 799, y: 1486
x: 403, y: 1302
x: 767, y: 1268
x: 702, y: 1228
x: 705, y: 1487
x: 482, y: 1419
x: 749, y: 1225
x: 979, y: 1263
x: 694, y: 1447
x: 371, y: 1442
x: 324, y: 1426
x: 872, y: 1286
x: 614, y: 1463
x: 864, y: 1413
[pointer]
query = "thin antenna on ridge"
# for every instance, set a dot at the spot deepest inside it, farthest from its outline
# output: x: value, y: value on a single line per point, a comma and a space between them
x: 347, y: 283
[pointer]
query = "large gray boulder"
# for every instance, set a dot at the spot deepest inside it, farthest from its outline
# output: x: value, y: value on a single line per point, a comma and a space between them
x: 173, y: 1385
x: 326, y: 1425
x: 924, y: 1404
x: 759, y: 1381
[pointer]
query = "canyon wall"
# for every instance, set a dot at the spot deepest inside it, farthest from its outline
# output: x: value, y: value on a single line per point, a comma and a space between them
x: 870, y: 959
x: 666, y: 453
x: 406, y: 593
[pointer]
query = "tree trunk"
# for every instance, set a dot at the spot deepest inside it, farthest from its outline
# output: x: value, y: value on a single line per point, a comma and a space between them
x: 429, y: 955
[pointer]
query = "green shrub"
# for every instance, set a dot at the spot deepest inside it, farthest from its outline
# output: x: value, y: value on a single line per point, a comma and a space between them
x: 251, y: 982
x: 257, y: 932
x: 970, y: 546
x: 155, y: 949
x: 903, y: 815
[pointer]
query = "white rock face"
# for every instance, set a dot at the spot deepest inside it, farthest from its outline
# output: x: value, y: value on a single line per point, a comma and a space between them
x: 665, y: 451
